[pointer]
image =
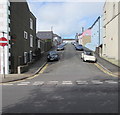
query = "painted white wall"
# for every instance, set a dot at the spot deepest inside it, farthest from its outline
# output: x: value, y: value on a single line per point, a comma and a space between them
x: 111, y: 32
x: 4, y: 28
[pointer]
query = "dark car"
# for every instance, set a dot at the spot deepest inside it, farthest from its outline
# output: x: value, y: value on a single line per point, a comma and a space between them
x: 79, y: 47
x: 60, y: 47
x: 63, y: 44
x: 52, y: 56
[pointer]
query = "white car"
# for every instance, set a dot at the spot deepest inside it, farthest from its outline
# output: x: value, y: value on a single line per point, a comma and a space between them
x: 88, y: 56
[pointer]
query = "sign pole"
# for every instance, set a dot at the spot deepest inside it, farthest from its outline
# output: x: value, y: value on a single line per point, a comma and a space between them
x: 3, y: 62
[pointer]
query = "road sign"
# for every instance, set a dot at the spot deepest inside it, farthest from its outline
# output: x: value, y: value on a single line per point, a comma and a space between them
x: 3, y: 41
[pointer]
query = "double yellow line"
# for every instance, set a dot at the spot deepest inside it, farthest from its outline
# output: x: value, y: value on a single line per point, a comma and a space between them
x: 105, y: 71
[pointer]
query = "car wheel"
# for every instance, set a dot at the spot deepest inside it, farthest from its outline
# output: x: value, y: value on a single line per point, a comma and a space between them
x: 95, y: 61
x: 84, y: 60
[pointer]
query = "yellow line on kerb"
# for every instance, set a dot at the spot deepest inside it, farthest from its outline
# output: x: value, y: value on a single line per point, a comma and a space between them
x: 43, y: 69
x: 105, y: 71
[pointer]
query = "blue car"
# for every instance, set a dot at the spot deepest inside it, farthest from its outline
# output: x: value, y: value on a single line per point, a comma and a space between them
x: 79, y: 47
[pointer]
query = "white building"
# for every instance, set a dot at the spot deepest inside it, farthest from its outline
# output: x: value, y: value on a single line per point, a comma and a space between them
x: 111, y: 24
x: 4, y: 27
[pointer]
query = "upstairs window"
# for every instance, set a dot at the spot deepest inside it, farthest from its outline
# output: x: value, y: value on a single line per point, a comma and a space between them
x: 38, y: 43
x: 25, y: 57
x: 113, y: 9
x: 25, y: 35
x: 31, y: 41
x: 31, y: 23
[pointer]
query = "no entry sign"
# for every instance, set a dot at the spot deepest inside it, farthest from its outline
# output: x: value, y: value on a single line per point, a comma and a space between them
x: 3, y: 41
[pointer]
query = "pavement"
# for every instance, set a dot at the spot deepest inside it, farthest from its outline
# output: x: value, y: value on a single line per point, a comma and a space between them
x: 108, y: 66
x: 33, y: 70
x: 38, y: 65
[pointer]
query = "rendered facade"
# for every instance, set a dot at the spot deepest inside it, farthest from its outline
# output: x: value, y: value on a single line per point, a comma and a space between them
x: 111, y: 27
x: 5, y: 27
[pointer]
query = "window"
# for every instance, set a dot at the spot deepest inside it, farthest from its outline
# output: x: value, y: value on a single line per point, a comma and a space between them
x: 30, y: 56
x: 104, y: 14
x: 38, y: 43
x: 25, y: 35
x: 25, y: 57
x: 31, y: 24
x: 113, y: 9
x: 31, y: 41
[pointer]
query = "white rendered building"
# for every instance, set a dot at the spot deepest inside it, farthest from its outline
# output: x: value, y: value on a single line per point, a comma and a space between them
x: 4, y: 27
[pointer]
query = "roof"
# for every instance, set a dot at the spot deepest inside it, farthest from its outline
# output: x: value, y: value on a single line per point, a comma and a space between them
x: 55, y: 35
x: 68, y: 39
x: 45, y: 35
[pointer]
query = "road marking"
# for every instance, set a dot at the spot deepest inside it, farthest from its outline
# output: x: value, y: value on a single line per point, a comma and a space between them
x: 38, y: 83
x: 25, y: 82
x: 111, y: 82
x: 105, y: 71
x: 96, y: 82
x: 67, y: 82
x: 52, y: 82
x: 7, y: 84
x: 43, y: 69
x: 22, y: 84
x: 81, y: 82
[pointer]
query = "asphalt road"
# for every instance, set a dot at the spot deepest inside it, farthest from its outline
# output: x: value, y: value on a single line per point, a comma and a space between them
x: 65, y: 86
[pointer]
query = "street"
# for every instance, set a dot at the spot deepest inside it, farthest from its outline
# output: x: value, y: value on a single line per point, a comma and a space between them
x: 65, y: 86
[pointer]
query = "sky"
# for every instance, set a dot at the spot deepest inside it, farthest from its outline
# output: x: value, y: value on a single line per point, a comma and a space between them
x: 65, y: 17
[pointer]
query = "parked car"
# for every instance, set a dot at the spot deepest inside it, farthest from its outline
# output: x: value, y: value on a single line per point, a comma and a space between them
x: 88, y: 56
x: 53, y: 56
x: 60, y: 47
x: 74, y: 43
x: 63, y: 44
x: 79, y: 47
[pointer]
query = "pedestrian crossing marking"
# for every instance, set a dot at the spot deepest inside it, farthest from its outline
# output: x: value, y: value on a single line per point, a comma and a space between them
x: 38, y: 83
x: 52, y: 82
x: 67, y: 82
x: 112, y: 82
x: 7, y: 84
x: 22, y: 84
x: 78, y: 82
x: 96, y: 82
x: 25, y: 82
x: 81, y: 82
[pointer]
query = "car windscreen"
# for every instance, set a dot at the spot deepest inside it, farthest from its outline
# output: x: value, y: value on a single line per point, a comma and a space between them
x: 53, y: 53
x: 89, y: 53
x: 60, y: 46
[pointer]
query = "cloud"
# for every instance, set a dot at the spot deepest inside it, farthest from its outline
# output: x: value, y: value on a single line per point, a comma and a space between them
x: 66, y: 18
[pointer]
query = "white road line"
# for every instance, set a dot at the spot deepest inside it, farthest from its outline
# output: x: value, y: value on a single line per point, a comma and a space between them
x: 52, y: 82
x: 67, y: 83
x: 7, y: 84
x: 112, y: 82
x: 38, y: 83
x: 96, y: 82
x: 81, y: 82
x: 25, y: 82
x: 22, y: 84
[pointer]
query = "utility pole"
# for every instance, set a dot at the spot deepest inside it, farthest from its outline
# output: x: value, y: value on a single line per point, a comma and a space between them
x: 99, y: 32
x: 82, y: 29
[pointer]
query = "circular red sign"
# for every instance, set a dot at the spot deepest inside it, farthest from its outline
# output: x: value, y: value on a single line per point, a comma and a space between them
x: 3, y: 41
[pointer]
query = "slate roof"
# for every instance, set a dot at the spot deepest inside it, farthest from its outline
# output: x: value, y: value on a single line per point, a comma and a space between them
x: 45, y: 35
